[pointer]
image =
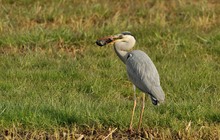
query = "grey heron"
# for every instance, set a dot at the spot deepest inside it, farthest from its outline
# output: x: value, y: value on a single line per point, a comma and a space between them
x: 140, y: 69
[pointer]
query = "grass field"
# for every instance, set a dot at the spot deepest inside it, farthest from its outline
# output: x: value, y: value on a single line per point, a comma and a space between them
x: 55, y: 83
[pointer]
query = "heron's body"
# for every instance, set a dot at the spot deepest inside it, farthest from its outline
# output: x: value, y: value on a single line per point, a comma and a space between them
x: 140, y: 69
x: 143, y: 74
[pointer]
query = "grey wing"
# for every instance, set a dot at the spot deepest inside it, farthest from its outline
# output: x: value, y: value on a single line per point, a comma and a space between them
x: 143, y: 74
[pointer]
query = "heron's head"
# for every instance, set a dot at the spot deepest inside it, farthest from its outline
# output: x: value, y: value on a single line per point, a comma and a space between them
x: 125, y: 37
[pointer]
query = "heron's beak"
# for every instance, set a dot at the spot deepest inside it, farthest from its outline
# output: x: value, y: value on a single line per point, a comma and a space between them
x: 107, y: 40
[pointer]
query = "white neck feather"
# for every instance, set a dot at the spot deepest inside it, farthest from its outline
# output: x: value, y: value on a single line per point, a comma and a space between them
x: 122, y: 47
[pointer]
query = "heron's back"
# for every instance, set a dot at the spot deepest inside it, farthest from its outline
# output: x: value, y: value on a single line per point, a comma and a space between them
x: 143, y: 74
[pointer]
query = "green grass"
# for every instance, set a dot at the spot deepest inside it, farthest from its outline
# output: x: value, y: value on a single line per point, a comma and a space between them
x: 53, y: 77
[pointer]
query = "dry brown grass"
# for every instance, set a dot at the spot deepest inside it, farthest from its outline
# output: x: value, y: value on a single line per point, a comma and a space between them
x: 96, y: 13
x: 205, y: 132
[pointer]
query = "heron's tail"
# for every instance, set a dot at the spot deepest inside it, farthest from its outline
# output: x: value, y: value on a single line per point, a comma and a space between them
x: 157, y: 95
x: 154, y: 100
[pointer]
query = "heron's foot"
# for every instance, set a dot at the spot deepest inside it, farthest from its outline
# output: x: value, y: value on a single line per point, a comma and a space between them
x: 139, y: 129
x: 134, y: 133
x: 130, y: 130
x: 130, y: 127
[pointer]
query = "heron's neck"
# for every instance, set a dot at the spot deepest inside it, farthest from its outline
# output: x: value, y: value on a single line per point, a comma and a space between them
x: 121, y: 54
x: 122, y: 48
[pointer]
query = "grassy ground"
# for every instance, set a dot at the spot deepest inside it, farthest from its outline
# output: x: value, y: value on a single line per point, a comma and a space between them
x: 56, y: 83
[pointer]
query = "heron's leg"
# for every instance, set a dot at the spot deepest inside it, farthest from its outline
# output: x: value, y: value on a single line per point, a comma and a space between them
x: 142, y: 112
x: 132, y: 115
